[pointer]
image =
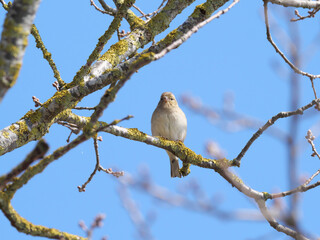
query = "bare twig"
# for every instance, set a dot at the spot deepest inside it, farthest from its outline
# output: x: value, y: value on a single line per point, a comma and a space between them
x: 134, y: 212
x: 310, y: 15
x: 96, y: 168
x: 110, y: 171
x: 296, y: 69
x: 84, y: 108
x: 228, y: 119
x: 302, y: 188
x: 269, y: 123
x: 310, y: 139
x: 188, y: 34
x: 99, y: 9
x: 36, y: 101
x: 115, y: 122
x: 198, y: 202
x: 158, y: 9
x: 56, y: 85
x: 97, y: 223
x: 73, y: 127
x: 140, y: 11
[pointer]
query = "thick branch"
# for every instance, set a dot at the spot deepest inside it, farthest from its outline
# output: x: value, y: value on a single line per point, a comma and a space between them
x: 35, y: 124
x: 38, y: 152
x: 23, y: 225
x: 14, y: 39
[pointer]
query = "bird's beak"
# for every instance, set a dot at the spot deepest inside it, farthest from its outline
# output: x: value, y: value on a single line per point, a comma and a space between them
x: 165, y: 99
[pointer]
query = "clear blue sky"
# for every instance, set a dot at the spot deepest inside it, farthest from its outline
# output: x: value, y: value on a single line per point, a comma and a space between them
x: 231, y: 54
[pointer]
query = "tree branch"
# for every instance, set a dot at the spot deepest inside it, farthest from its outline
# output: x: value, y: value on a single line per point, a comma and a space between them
x: 296, y: 69
x: 38, y: 152
x: 297, y: 3
x: 14, y: 39
x: 269, y: 123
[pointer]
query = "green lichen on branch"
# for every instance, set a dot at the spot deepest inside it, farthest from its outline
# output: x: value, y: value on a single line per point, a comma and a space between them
x: 116, y: 50
x: 23, y: 225
x: 185, y: 170
x: 162, y: 20
x: 115, y: 24
x: 176, y: 147
x: 200, y: 13
x: 133, y: 20
x: 14, y: 39
x: 46, y: 55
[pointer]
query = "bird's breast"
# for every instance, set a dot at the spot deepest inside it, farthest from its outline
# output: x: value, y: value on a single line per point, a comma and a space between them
x: 170, y: 124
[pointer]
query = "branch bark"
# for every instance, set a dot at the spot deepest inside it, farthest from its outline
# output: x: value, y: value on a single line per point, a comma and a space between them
x: 14, y: 40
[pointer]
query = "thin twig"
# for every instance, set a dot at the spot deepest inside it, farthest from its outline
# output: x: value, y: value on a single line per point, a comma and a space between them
x: 99, y: 9
x: 73, y: 127
x: 228, y: 119
x: 188, y: 34
x: 314, y: 90
x: 115, y: 122
x: 110, y: 171
x: 96, y: 168
x: 140, y: 11
x: 311, y: 15
x: 302, y: 188
x: 114, y: 25
x: 134, y: 213
x: 84, y: 108
x: 269, y: 123
x: 297, y: 70
x: 97, y: 223
x: 158, y: 9
x: 46, y: 55
x: 310, y: 139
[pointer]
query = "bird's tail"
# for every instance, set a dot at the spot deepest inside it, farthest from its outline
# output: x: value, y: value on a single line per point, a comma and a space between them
x: 174, y: 166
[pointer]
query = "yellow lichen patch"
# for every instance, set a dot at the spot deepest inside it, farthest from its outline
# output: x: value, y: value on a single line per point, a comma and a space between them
x: 133, y: 20
x: 140, y: 136
x: 223, y: 163
x: 116, y: 50
x: 170, y: 38
x: 185, y: 170
x: 33, y: 116
x: 14, y: 71
x: 1, y: 150
x: 266, y: 196
x: 12, y: 29
x: 6, y: 134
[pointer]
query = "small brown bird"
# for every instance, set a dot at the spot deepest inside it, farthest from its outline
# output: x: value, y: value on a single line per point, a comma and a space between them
x: 169, y: 121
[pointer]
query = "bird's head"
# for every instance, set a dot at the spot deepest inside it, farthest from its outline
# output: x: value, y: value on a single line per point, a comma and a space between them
x: 167, y: 100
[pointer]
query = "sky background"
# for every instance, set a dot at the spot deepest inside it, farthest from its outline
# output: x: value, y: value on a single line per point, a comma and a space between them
x: 229, y: 55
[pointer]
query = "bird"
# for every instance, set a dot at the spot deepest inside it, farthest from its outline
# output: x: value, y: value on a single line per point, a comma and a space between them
x: 170, y: 122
